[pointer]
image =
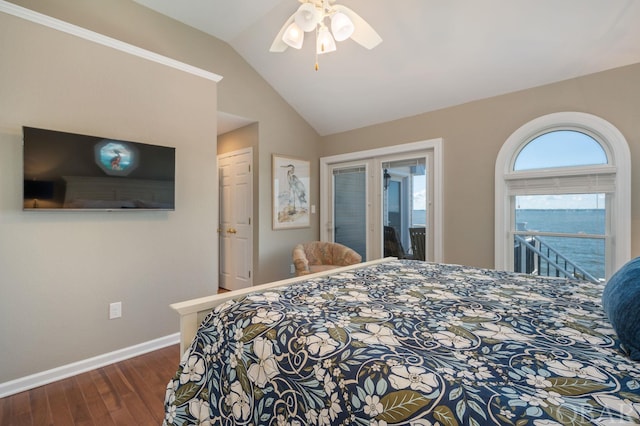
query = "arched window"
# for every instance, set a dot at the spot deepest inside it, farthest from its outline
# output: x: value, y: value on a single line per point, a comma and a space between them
x: 563, y: 186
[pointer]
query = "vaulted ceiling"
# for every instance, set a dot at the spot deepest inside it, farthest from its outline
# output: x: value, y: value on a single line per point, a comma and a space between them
x: 434, y: 53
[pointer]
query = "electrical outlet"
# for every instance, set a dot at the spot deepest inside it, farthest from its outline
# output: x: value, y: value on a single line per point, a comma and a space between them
x: 292, y: 269
x: 115, y: 310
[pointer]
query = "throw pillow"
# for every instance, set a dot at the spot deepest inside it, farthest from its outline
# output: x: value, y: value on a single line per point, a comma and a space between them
x: 621, y: 302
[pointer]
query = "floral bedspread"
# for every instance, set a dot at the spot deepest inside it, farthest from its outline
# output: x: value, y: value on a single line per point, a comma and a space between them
x: 411, y: 343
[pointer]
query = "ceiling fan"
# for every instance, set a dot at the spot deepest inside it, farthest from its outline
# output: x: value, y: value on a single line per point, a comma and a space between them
x: 320, y: 15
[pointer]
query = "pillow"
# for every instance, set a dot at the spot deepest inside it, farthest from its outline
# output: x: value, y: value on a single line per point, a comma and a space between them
x: 621, y: 302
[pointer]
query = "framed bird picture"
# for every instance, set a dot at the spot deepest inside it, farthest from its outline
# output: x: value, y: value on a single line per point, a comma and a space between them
x: 290, y: 192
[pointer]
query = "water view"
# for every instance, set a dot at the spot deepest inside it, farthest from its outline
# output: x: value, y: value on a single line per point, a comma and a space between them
x: 585, y: 252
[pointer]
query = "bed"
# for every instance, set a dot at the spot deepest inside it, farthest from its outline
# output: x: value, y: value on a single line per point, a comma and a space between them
x: 404, y: 342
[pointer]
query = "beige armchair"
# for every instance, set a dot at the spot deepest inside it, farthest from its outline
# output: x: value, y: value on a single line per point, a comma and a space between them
x: 316, y: 256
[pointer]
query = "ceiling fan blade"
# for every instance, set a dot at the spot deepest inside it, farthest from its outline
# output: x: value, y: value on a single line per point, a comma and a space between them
x: 363, y: 33
x: 279, y: 45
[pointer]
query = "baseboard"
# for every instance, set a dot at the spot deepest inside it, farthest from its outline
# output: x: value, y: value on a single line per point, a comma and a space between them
x: 59, y: 373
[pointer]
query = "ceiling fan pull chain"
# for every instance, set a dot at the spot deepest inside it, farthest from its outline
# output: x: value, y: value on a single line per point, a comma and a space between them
x: 316, y: 50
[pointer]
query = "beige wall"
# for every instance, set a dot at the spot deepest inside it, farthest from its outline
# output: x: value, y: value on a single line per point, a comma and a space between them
x: 473, y: 134
x: 241, y: 92
x: 242, y: 138
x: 60, y: 270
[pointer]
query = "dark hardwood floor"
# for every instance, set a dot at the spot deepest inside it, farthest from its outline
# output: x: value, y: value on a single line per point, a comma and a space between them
x: 130, y: 392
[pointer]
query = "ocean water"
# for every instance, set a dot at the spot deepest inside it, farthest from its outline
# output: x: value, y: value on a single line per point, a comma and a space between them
x: 586, y: 253
x: 419, y: 217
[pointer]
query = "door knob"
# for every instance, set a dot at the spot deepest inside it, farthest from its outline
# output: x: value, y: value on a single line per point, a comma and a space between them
x: 231, y: 231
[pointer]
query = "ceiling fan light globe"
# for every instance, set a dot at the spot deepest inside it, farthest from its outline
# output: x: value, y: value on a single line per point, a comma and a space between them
x: 293, y: 36
x: 308, y: 16
x: 341, y: 26
x: 325, y: 42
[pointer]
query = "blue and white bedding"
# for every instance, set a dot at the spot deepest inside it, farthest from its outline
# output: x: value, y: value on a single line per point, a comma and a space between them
x: 411, y: 343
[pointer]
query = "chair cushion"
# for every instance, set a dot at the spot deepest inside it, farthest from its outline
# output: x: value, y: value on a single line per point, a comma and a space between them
x: 319, y: 268
x: 317, y: 256
x: 621, y: 302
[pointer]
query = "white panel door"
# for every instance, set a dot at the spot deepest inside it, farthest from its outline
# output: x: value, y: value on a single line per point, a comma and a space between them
x: 236, y: 229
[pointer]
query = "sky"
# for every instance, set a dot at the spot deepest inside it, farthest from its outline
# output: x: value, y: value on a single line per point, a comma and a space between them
x: 419, y: 193
x: 569, y: 201
x: 563, y: 148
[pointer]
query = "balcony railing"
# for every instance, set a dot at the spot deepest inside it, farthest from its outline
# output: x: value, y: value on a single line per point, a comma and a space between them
x: 533, y: 255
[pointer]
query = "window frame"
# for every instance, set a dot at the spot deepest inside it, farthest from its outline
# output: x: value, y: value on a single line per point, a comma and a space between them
x: 618, y: 168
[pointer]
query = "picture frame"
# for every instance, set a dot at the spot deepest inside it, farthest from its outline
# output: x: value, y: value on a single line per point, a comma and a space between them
x: 291, y: 184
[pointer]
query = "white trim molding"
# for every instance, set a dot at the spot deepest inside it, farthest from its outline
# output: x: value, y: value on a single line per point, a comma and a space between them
x: 57, y: 24
x: 38, y: 379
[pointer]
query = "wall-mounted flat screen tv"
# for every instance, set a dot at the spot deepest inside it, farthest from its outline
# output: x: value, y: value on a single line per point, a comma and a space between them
x: 81, y: 172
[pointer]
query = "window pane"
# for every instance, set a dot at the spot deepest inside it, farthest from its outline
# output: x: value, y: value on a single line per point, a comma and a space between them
x: 350, y: 209
x: 404, y: 202
x: 419, y: 212
x: 587, y: 253
x: 570, y: 214
x: 562, y: 148
x: 560, y: 202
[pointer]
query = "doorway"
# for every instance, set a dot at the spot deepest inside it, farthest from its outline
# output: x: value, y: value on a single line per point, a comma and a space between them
x: 235, y: 170
x: 360, y: 202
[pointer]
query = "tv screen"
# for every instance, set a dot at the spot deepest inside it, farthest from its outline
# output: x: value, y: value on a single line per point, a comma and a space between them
x: 81, y: 172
